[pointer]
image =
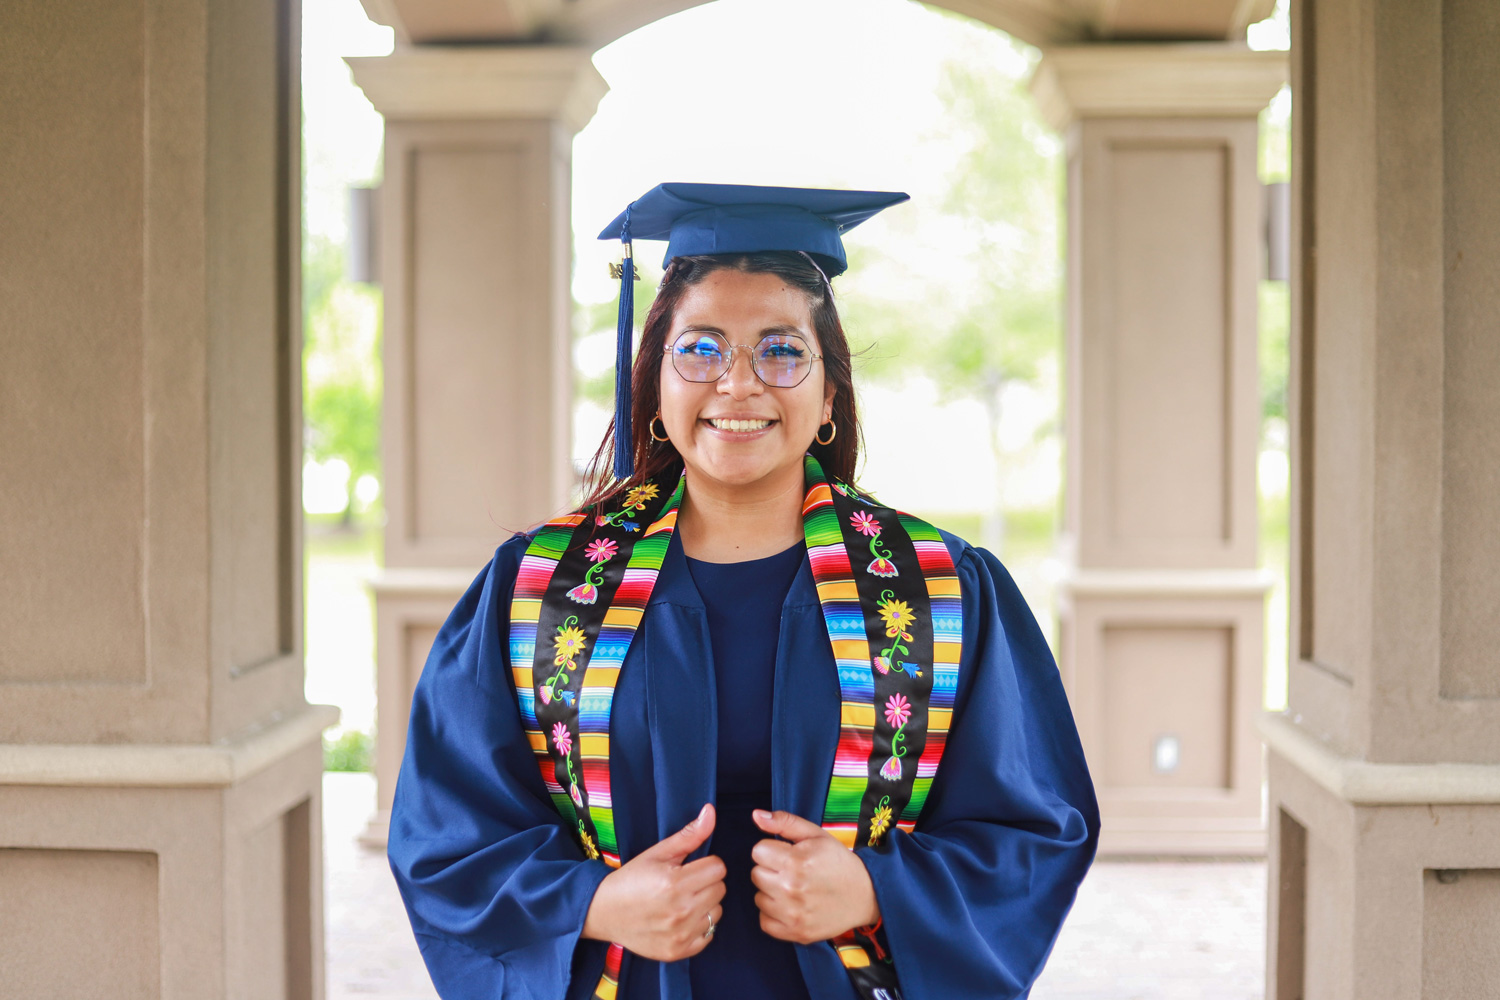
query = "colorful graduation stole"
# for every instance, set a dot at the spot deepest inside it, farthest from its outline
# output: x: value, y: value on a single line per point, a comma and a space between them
x: 890, y: 600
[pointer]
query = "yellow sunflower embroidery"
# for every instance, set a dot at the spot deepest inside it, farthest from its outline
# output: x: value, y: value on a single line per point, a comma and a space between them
x: 638, y: 495
x: 588, y: 846
x: 879, y: 823
x: 898, y: 616
x: 569, y: 645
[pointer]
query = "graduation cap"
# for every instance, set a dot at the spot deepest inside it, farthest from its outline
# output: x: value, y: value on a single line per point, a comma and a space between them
x: 699, y: 219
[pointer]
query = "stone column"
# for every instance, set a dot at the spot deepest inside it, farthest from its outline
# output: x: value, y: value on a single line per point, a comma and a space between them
x: 1162, y: 609
x: 160, y: 770
x: 476, y: 263
x: 1385, y: 771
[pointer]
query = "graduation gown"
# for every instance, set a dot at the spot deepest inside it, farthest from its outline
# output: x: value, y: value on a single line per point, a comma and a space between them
x: 497, y: 889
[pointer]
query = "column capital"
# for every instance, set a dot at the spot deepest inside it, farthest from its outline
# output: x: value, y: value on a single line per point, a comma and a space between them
x: 1176, y: 79
x: 536, y: 81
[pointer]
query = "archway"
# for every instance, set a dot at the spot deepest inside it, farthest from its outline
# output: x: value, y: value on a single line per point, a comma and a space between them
x: 177, y: 705
x: 1162, y: 598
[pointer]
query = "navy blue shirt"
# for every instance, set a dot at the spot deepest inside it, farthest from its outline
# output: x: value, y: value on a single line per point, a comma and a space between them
x: 743, y: 601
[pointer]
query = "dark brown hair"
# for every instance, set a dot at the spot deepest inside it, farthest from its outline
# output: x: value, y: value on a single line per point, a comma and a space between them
x: 659, y: 460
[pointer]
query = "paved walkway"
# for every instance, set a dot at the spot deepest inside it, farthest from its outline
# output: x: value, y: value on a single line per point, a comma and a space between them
x: 1139, y: 931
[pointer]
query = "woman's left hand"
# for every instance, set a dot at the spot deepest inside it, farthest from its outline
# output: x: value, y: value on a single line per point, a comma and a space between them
x: 811, y: 889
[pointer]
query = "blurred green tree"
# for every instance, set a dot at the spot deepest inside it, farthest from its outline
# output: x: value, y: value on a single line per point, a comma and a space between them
x: 340, y: 366
x: 993, y: 318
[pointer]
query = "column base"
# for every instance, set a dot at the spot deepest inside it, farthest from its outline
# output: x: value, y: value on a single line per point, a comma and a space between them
x: 1184, y: 836
x: 1164, y: 672
x: 165, y: 870
x: 377, y: 830
x: 411, y: 604
x: 1386, y: 877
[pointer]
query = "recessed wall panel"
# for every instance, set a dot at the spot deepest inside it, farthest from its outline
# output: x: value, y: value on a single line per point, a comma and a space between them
x: 1470, y: 665
x: 1339, y: 359
x: 473, y: 342
x: 1168, y: 382
x: 79, y: 924
x: 261, y: 914
x: 1167, y: 692
x: 72, y: 218
x: 1460, y: 948
x: 248, y: 315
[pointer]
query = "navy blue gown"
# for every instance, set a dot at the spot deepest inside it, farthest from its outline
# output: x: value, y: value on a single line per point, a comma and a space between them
x: 743, y: 604
x: 497, y: 889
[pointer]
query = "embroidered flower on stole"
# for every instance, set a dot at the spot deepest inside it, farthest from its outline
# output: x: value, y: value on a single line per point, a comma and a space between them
x: 898, y: 617
x: 569, y: 642
x: 879, y: 823
x: 897, y: 711
x: 601, y: 549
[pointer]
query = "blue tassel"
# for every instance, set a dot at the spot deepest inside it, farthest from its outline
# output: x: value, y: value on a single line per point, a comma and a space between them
x: 624, y: 333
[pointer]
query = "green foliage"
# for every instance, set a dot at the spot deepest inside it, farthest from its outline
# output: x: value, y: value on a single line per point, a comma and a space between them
x: 1275, y: 356
x: 344, y: 413
x: 993, y: 315
x: 1007, y: 185
x: 1274, y: 152
x: 592, y: 321
x: 350, y: 751
x: 341, y: 364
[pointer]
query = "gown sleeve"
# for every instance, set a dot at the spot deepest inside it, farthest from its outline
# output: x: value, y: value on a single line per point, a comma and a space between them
x: 972, y: 900
x: 496, y: 887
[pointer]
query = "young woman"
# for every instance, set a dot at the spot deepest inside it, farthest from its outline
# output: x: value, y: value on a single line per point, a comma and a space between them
x: 734, y: 729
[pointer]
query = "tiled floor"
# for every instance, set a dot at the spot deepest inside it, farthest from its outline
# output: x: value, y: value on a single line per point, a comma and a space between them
x: 1139, y: 931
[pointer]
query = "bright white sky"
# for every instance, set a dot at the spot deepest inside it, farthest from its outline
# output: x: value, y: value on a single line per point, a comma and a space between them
x: 723, y: 92
x: 728, y: 92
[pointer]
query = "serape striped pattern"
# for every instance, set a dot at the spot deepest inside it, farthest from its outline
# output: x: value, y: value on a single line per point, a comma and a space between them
x: 851, y: 655
x: 896, y: 629
x: 609, y: 983
x: 574, y: 760
x: 946, y: 606
x: 532, y: 578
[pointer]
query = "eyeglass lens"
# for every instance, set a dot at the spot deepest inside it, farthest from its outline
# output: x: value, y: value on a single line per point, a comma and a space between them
x: 781, y: 360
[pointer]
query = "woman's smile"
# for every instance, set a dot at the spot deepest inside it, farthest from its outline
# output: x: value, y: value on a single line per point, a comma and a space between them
x: 739, y: 428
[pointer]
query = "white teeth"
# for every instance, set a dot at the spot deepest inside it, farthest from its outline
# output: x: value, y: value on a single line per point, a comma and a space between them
x: 740, y: 425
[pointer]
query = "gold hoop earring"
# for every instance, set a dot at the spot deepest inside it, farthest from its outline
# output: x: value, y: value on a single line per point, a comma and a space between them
x: 651, y: 428
x: 831, y: 435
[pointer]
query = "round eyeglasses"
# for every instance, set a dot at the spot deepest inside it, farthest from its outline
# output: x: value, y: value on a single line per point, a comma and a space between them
x: 781, y: 360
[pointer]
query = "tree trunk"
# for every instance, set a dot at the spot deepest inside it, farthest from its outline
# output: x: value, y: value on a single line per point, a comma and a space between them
x: 992, y: 522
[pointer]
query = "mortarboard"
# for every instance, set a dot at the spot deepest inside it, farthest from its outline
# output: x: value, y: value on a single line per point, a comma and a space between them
x: 699, y: 219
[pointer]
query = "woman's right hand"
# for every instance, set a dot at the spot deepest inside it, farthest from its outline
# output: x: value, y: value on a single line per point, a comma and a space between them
x: 656, y: 906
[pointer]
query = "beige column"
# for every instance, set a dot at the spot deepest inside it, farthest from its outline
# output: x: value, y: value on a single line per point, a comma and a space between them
x: 1162, y: 608
x: 476, y: 262
x: 1385, y: 771
x: 160, y: 810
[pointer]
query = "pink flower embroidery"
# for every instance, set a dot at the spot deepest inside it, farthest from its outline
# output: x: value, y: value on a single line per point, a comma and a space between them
x: 563, y: 740
x: 882, y: 663
x: 891, y: 769
x: 601, y: 549
x: 897, y: 711
x: 864, y: 523
x: 600, y: 520
x: 577, y: 796
x: 584, y: 593
x: 882, y: 567
x: 545, y: 693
